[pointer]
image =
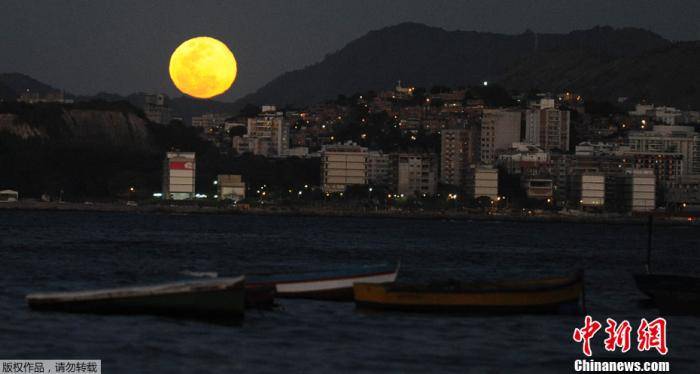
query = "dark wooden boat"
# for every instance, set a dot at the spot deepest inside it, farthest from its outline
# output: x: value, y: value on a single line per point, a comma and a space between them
x: 335, y: 285
x: 260, y: 296
x: 221, y: 299
x: 532, y: 296
x: 672, y: 294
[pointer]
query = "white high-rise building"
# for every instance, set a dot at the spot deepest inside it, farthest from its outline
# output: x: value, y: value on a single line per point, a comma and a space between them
x: 179, y: 175
x: 378, y: 168
x: 343, y: 165
x: 499, y: 129
x: 669, y: 139
x: 482, y: 182
x: 457, y: 152
x: 640, y: 190
x: 548, y: 127
x: 414, y: 174
x: 268, y: 134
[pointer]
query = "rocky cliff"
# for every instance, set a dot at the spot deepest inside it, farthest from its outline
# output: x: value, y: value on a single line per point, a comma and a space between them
x: 79, y: 126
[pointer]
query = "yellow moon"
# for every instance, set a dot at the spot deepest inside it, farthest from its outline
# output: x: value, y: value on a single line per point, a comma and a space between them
x: 203, y: 67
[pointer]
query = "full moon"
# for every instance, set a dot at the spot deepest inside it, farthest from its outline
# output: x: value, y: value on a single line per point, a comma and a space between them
x: 203, y: 67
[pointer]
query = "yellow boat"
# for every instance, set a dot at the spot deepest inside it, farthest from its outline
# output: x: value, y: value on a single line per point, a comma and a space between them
x: 532, y: 296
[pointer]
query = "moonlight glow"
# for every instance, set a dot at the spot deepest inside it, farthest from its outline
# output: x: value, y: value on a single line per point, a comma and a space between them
x: 203, y: 67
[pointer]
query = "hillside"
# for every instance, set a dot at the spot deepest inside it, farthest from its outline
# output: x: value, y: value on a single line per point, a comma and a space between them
x: 13, y: 84
x: 668, y: 75
x: 86, y: 149
x: 426, y: 56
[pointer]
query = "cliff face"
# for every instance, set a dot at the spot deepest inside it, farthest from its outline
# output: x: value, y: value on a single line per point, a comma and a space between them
x: 77, y: 126
x: 106, y: 127
x: 10, y: 123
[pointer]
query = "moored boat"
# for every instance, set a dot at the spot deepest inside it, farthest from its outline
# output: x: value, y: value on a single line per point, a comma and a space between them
x: 221, y: 299
x: 672, y: 294
x: 532, y: 296
x: 335, y: 285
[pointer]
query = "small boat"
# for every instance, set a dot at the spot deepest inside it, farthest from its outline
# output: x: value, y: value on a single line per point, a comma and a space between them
x: 672, y: 294
x: 221, y: 299
x: 334, y: 285
x: 532, y: 296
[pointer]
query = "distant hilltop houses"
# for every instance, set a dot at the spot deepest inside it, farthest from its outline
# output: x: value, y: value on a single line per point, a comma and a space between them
x: 33, y: 97
x: 412, y: 143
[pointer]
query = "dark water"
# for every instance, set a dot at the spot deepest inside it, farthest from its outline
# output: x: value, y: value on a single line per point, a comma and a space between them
x: 42, y: 251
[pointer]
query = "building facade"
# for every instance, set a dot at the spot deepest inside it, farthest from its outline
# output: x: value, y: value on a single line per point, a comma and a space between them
x: 669, y: 139
x: 268, y: 134
x: 343, y: 165
x: 457, y: 152
x: 179, y: 171
x: 230, y: 187
x: 548, y: 128
x: 414, y: 174
x: 588, y: 190
x: 499, y: 129
x: 378, y: 169
x: 482, y: 181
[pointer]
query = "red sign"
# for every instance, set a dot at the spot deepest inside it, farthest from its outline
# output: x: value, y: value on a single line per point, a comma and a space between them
x: 181, y: 165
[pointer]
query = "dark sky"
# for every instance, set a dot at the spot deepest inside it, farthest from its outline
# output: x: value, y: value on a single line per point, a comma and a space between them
x: 124, y: 46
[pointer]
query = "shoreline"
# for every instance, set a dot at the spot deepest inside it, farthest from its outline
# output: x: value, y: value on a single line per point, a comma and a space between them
x: 305, y: 211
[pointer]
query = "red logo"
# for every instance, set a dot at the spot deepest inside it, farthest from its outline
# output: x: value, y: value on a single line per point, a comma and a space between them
x: 585, y: 333
x: 650, y: 335
x: 181, y: 165
x: 618, y: 336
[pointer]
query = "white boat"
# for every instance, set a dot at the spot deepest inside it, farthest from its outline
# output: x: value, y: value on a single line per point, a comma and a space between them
x: 334, y: 284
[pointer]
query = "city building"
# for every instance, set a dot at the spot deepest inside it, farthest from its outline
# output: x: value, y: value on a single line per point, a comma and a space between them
x: 209, y: 120
x: 633, y: 190
x: 683, y: 192
x: 268, y: 134
x: 599, y: 149
x: 8, y: 196
x: 524, y: 159
x: 343, y: 165
x: 401, y: 92
x: 547, y: 127
x: 482, y: 181
x: 588, y: 190
x: 414, y: 174
x: 457, y: 152
x: 32, y: 97
x: 668, y: 167
x: 640, y: 190
x: 662, y: 114
x: 378, y: 168
x: 669, y: 139
x: 230, y: 187
x: 179, y: 175
x: 562, y: 166
x: 156, y: 108
x: 500, y: 128
x: 539, y: 188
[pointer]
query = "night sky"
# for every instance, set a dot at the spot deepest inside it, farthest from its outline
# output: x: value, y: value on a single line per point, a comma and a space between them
x: 124, y: 46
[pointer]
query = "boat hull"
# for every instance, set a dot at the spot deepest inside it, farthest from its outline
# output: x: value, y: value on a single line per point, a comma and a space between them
x: 219, y: 300
x: 550, y: 297
x: 325, y: 286
x: 672, y: 294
